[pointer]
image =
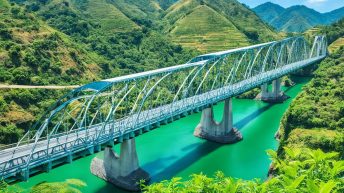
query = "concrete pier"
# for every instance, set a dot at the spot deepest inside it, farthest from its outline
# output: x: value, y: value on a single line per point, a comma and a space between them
x: 121, y: 170
x: 222, y: 132
x: 275, y: 96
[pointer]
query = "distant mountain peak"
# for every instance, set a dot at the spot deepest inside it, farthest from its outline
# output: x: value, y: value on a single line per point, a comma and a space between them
x: 297, y: 18
x: 269, y: 3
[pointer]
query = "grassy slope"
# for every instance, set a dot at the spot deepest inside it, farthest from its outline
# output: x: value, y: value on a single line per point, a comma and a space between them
x: 208, y: 31
x: 244, y: 19
x: 179, y: 10
x: 235, y: 25
x: 138, y: 9
x: 336, y: 45
x: 110, y: 18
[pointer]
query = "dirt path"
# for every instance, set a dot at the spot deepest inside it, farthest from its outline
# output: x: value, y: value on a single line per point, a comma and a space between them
x: 4, y: 86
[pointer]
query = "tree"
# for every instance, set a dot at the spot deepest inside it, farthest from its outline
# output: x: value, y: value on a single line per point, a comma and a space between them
x: 3, y: 105
x: 15, y: 55
x: 21, y: 75
x: 312, y: 171
x: 10, y: 134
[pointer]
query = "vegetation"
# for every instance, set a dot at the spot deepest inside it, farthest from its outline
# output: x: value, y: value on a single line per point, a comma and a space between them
x: 56, y: 42
x: 334, y: 34
x: 302, y: 170
x: 208, y: 31
x: 68, y: 186
x: 220, y: 25
x: 336, y: 45
x: 315, y: 117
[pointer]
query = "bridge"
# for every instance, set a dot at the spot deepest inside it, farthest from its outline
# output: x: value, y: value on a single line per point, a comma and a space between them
x: 95, y: 116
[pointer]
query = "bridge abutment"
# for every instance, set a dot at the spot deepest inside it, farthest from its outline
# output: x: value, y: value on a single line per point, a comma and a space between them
x: 275, y: 96
x: 222, y: 132
x: 121, y: 170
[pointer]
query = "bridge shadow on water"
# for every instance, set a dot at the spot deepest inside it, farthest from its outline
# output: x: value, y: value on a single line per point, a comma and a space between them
x: 243, y: 122
x: 160, y: 170
x: 200, y: 150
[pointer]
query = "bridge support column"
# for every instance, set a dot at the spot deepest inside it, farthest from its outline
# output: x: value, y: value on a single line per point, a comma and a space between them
x: 48, y: 167
x: 276, y: 96
x: 222, y: 132
x: 24, y: 175
x: 122, y: 170
x: 264, y: 91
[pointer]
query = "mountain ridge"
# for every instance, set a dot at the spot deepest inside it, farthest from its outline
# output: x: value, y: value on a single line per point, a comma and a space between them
x: 297, y: 18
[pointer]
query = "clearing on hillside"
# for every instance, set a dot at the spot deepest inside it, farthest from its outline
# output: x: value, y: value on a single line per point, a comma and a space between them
x: 110, y: 18
x: 208, y: 31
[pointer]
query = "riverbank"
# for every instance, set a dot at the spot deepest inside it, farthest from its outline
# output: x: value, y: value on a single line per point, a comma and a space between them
x: 315, y: 119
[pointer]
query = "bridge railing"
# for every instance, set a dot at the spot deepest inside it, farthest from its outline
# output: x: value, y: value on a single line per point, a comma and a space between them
x: 113, y: 107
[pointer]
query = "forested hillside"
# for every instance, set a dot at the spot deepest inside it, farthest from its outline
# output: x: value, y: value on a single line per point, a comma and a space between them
x: 315, y: 117
x: 296, y: 18
x: 59, y: 42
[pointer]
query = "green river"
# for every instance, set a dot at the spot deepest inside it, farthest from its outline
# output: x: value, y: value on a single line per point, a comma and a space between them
x: 172, y: 150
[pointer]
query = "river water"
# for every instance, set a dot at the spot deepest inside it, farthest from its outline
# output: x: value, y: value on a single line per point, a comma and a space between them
x: 172, y: 150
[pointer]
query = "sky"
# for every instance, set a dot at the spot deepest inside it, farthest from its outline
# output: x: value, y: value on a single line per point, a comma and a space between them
x: 319, y: 5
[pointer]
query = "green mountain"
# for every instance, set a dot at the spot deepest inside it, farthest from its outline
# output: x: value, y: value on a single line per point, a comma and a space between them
x: 269, y: 11
x: 295, y: 18
x: 215, y: 25
x: 334, y: 15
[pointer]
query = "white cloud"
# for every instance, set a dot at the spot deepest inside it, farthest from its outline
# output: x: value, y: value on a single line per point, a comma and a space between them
x: 316, y: 1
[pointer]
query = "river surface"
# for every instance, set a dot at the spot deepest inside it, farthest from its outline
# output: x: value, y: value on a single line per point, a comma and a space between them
x: 172, y: 150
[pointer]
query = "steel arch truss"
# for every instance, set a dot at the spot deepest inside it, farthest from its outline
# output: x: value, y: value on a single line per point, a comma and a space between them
x: 109, y: 109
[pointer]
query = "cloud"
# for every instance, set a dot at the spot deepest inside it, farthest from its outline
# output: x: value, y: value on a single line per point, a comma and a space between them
x: 316, y: 1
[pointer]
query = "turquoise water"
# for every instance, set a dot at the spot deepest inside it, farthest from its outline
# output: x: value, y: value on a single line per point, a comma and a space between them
x: 172, y: 150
